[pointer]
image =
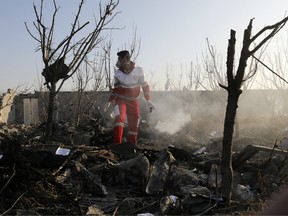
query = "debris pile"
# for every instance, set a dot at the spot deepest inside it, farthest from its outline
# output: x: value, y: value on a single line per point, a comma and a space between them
x: 81, y: 172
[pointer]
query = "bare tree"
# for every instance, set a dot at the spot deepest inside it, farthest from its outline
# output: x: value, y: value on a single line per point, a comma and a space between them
x: 82, y: 83
x: 175, y: 80
x: 235, y: 82
x: 212, y: 65
x: 212, y: 61
x: 55, y: 56
x: 277, y: 61
x: 180, y: 77
x: 134, y: 46
x: 152, y: 82
x: 107, y: 64
x: 194, y: 77
x: 167, y: 84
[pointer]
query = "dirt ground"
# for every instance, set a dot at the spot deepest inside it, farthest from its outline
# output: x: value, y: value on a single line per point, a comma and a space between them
x: 95, y: 179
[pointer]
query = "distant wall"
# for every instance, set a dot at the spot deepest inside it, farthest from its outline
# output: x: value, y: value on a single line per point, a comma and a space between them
x: 187, y: 105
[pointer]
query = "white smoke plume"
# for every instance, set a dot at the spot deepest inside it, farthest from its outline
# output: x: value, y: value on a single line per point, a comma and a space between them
x: 172, y: 112
x: 173, y: 122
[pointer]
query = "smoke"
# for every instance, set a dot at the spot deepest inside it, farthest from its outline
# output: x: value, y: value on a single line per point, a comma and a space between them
x: 187, y: 113
x: 172, y: 112
x: 173, y: 122
x: 201, y: 114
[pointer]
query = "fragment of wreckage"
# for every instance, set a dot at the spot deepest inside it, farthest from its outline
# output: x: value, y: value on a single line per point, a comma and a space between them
x: 159, y: 173
x: 192, y: 199
x: 94, y: 181
x: 134, y: 170
x: 251, y: 150
x: 193, y: 196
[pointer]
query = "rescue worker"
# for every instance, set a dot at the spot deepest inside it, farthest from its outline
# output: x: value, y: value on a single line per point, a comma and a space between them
x: 128, y: 81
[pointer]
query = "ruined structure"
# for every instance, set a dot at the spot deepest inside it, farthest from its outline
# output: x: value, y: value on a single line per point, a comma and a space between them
x: 6, y: 107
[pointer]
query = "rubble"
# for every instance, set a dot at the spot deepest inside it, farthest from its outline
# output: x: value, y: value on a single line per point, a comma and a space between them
x: 157, y: 177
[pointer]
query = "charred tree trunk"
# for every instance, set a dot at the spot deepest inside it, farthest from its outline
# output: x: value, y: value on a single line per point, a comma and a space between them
x: 50, y: 122
x: 226, y: 163
x: 234, y: 91
x: 53, y: 73
x: 232, y: 104
x: 236, y: 128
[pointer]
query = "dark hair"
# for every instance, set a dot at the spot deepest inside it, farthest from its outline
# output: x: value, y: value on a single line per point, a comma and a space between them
x: 124, y: 54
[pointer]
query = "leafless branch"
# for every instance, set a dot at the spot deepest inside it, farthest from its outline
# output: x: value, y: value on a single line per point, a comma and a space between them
x: 275, y: 29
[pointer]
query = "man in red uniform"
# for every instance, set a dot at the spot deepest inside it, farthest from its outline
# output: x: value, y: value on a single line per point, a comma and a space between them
x: 128, y: 81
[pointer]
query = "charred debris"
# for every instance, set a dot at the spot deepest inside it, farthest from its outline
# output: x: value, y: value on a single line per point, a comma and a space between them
x: 80, y: 172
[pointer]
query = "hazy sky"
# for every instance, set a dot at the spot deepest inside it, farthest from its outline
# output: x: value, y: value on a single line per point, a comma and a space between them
x: 172, y: 32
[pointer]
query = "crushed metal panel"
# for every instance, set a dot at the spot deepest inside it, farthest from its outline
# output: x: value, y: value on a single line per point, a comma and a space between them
x: 31, y: 111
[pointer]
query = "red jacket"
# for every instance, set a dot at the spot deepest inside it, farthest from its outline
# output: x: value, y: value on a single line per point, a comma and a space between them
x: 127, y: 85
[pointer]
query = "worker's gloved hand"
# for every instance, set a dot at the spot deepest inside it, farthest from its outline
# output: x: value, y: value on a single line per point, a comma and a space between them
x: 150, y: 105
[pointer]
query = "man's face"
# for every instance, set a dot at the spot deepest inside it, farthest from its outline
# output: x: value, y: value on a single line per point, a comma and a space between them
x: 123, y: 63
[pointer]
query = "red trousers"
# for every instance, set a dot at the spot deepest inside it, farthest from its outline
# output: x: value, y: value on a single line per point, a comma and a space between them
x: 122, y: 109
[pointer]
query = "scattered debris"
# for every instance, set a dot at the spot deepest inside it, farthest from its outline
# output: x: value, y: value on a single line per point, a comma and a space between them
x: 155, y: 177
